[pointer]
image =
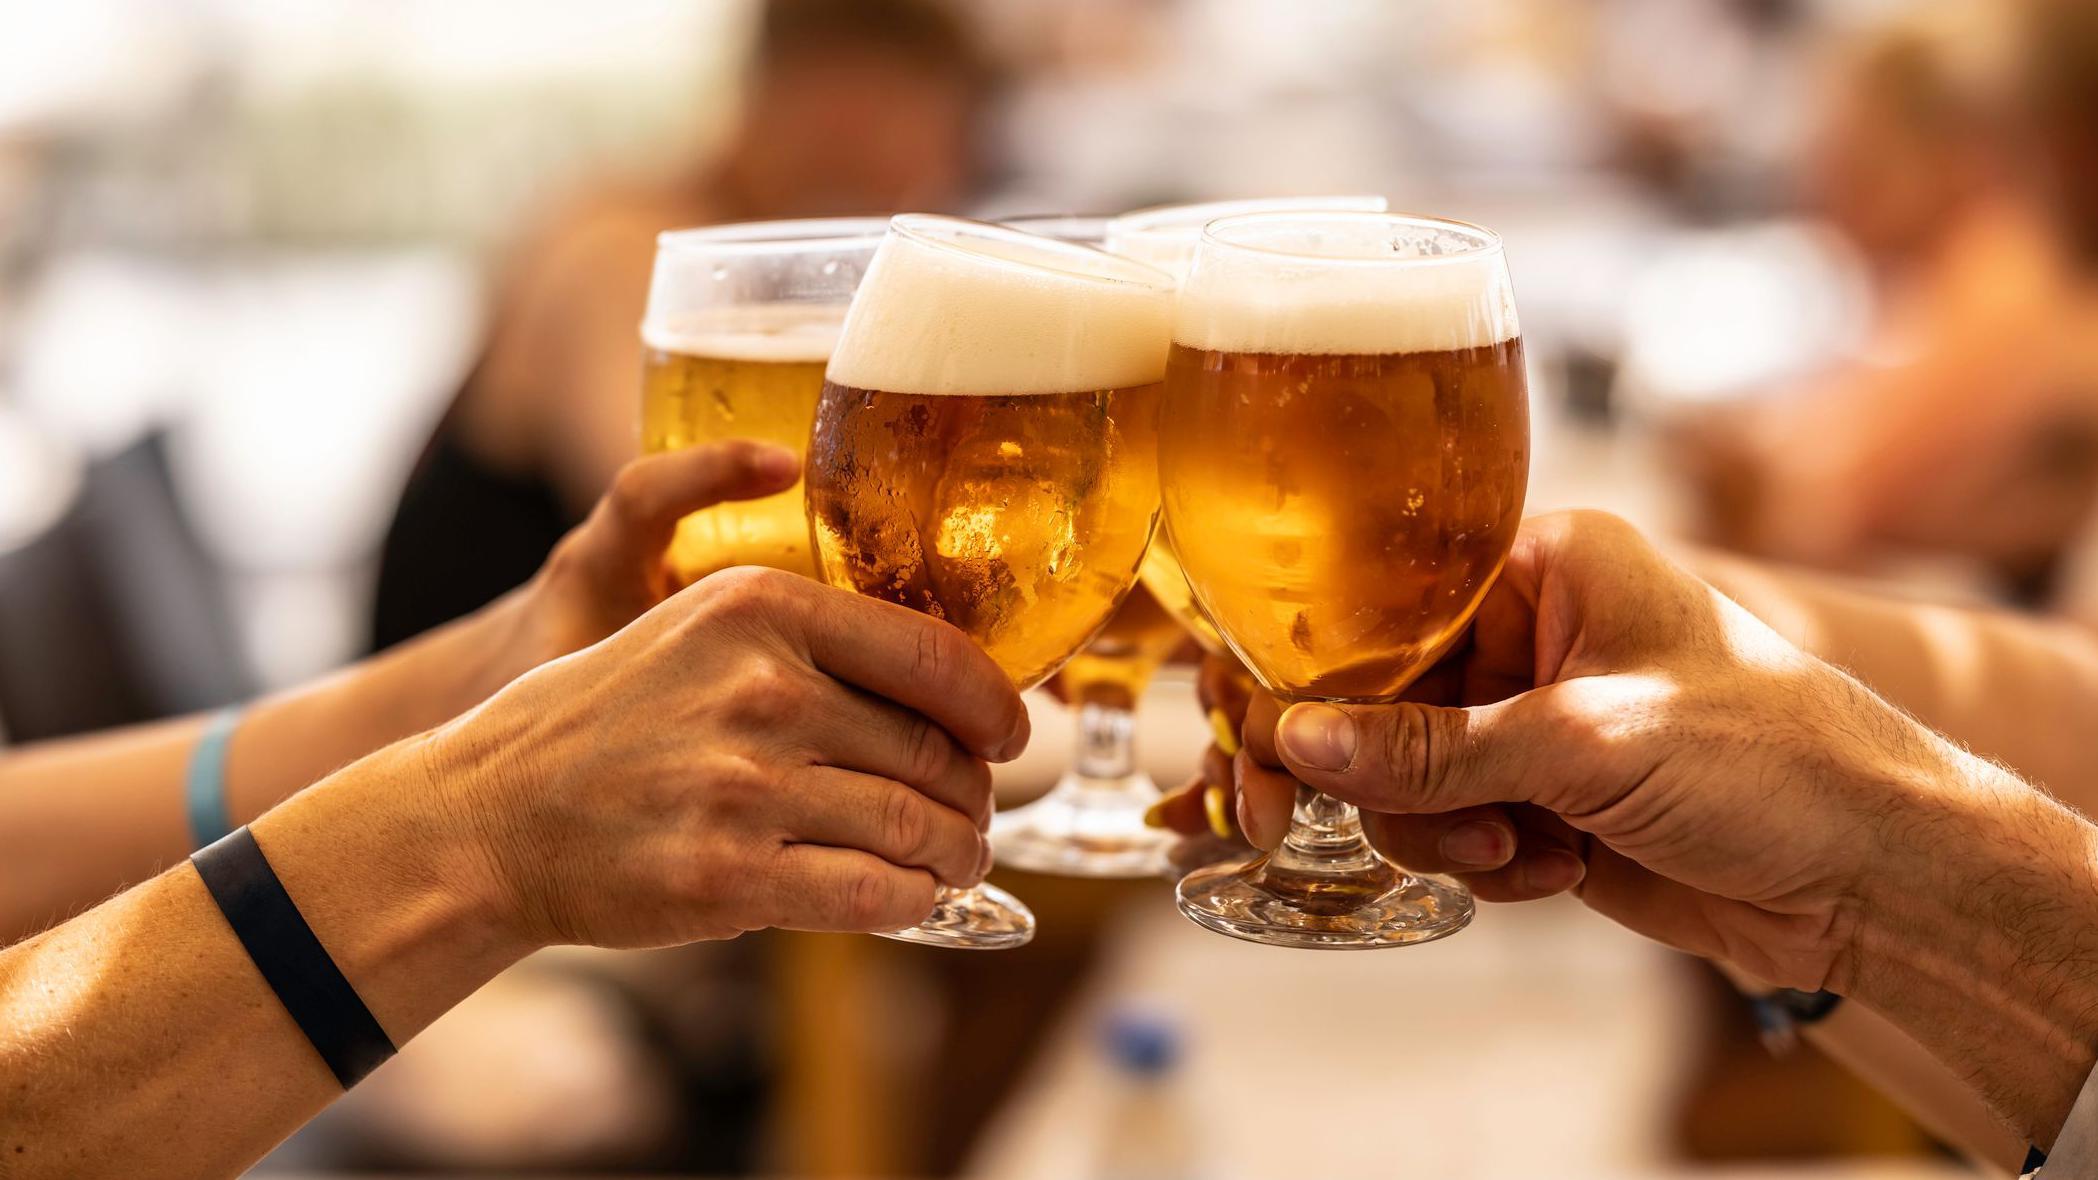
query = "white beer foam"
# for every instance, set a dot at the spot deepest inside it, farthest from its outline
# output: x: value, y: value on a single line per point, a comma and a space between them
x: 779, y: 332
x: 1340, y: 283
x: 986, y: 310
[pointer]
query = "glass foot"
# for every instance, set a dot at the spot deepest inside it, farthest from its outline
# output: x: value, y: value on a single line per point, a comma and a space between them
x: 1085, y: 827
x: 1360, y: 910
x: 985, y: 918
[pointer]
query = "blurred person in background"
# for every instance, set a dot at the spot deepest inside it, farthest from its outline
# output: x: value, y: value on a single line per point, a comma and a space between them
x: 852, y: 107
x: 1948, y: 157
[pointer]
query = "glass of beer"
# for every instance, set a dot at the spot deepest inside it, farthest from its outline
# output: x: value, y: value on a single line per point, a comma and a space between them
x: 1343, y: 454
x: 741, y: 320
x: 1164, y: 237
x: 1091, y: 823
x: 986, y: 451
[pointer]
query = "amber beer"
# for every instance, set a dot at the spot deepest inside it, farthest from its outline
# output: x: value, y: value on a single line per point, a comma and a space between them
x: 741, y: 373
x: 1352, y: 563
x: 1344, y: 457
x: 1349, y: 445
x: 1164, y: 236
x: 985, y: 447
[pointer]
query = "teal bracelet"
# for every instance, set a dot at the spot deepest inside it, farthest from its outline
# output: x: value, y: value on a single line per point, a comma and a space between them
x: 204, y: 791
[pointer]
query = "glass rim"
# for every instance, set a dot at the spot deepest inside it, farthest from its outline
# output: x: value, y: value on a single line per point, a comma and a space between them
x: 777, y: 236
x: 922, y: 229
x: 1488, y: 242
x: 1189, y: 217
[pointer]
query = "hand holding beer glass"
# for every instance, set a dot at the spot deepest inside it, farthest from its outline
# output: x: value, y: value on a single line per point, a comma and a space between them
x: 1343, y: 453
x: 741, y: 320
x: 985, y: 451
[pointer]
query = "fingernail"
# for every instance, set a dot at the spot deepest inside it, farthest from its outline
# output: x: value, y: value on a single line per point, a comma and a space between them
x: 1225, y: 733
x: 1219, y: 819
x: 1014, y: 746
x: 1479, y: 844
x: 1155, y: 815
x: 1554, y: 872
x: 985, y: 861
x: 1319, y: 736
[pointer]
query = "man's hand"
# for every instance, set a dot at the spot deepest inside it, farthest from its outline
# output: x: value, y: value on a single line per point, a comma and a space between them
x: 758, y: 751
x: 1629, y: 732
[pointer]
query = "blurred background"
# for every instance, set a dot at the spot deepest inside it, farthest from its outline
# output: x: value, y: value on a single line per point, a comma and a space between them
x: 317, y: 325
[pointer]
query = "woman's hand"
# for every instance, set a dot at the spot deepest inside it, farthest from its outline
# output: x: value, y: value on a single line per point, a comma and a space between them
x: 759, y: 751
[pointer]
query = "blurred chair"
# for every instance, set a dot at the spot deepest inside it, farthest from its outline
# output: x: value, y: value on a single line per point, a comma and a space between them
x: 116, y: 614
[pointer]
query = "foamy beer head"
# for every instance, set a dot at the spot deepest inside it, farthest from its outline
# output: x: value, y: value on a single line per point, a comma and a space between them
x: 1164, y: 236
x: 741, y: 321
x: 985, y: 447
x: 1345, y: 443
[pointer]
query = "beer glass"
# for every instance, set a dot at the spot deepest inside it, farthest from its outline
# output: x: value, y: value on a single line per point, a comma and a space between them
x: 740, y: 322
x: 1091, y: 823
x: 1164, y: 237
x: 1343, y: 454
x: 985, y: 450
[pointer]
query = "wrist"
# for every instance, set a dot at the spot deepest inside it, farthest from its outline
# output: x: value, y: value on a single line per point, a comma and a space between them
x: 391, y: 887
x: 469, y: 769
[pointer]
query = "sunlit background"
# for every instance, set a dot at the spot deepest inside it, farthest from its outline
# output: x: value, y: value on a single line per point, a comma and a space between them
x: 1798, y: 277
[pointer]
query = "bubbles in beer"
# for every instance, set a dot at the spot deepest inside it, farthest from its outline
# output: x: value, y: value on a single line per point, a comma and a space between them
x: 985, y: 447
x: 1347, y: 447
x: 737, y: 372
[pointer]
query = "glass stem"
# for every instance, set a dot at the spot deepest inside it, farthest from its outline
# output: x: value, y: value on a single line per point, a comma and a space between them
x: 1325, y: 841
x: 1106, y: 742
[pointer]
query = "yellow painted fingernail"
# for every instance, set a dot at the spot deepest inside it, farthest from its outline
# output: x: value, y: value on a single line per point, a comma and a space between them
x: 1219, y: 819
x: 1226, y: 734
x: 1155, y: 815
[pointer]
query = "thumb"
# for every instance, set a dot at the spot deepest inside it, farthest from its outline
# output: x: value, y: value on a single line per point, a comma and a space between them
x: 1414, y: 758
x: 651, y: 494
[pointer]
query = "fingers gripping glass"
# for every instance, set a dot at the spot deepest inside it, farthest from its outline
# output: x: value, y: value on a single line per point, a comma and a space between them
x: 985, y: 451
x: 1343, y: 454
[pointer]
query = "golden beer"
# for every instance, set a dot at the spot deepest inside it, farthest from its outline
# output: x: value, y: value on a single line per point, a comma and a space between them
x: 1164, y: 236
x: 1020, y: 519
x: 986, y: 451
x: 1344, y: 453
x: 741, y: 319
x: 1116, y: 667
x: 745, y: 373
x: 1389, y: 489
x: 1167, y: 582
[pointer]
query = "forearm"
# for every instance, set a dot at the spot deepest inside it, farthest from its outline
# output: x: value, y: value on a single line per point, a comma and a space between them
x: 84, y: 817
x: 2017, y: 689
x: 139, y: 1037
x: 1980, y: 940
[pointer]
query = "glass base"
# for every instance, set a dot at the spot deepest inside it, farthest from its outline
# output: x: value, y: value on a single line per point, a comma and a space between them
x: 1358, y: 910
x: 1085, y: 827
x: 985, y: 918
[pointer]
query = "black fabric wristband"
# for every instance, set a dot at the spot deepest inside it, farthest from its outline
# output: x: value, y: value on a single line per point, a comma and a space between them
x: 293, y: 962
